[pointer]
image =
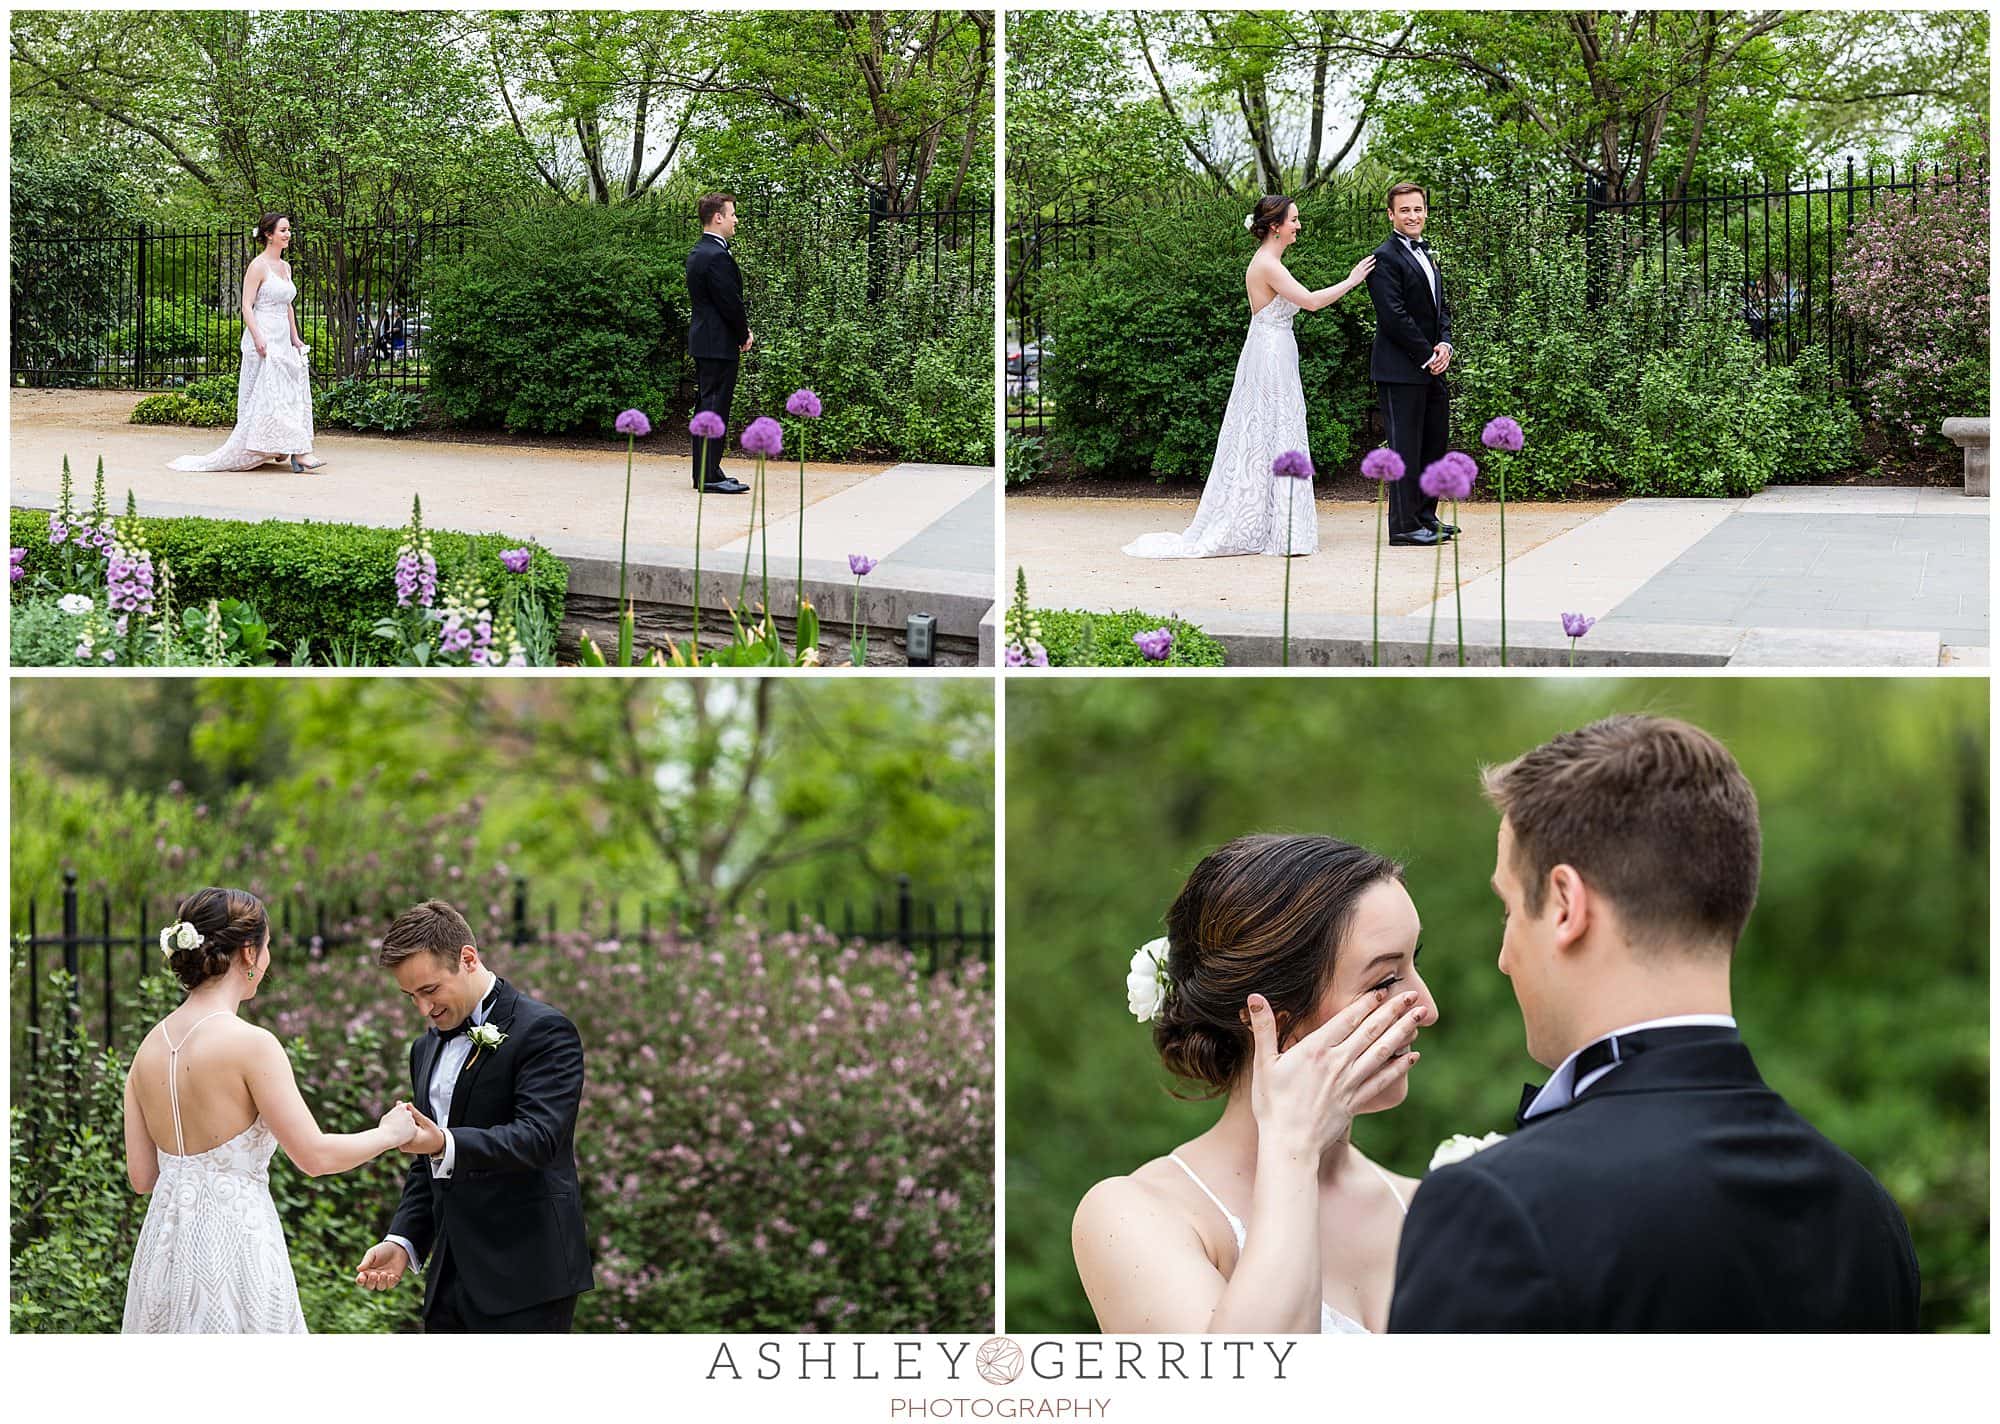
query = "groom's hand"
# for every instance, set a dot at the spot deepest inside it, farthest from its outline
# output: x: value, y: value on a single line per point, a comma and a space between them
x: 748, y: 342
x: 1440, y: 358
x: 429, y: 1139
x: 382, y: 1267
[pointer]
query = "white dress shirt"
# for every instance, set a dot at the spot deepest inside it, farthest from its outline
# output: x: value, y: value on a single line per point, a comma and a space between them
x: 451, y: 1061
x: 1562, y: 1089
x: 1430, y: 272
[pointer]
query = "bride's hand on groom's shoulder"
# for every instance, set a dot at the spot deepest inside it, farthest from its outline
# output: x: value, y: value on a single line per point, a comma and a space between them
x: 1304, y: 1097
x: 1361, y: 271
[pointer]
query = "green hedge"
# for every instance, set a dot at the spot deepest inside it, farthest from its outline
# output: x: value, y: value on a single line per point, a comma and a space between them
x: 1075, y: 638
x: 1657, y: 389
x: 553, y: 320
x: 1143, y: 343
x: 322, y: 582
x: 345, y: 405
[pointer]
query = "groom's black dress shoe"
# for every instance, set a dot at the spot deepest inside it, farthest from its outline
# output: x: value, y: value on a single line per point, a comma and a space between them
x: 726, y: 486
x: 1445, y: 529
x: 1423, y: 538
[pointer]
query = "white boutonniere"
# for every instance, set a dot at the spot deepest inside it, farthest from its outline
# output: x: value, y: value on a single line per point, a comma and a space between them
x: 1458, y: 1147
x: 180, y: 935
x: 484, y: 1036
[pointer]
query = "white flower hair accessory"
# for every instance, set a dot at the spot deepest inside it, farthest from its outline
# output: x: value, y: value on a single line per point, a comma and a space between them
x: 1146, y: 983
x: 1249, y: 221
x: 1458, y: 1147
x: 180, y: 935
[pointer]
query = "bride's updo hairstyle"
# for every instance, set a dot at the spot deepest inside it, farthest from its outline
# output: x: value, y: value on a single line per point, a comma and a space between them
x: 268, y: 224
x: 1269, y: 212
x: 1264, y: 914
x: 229, y: 921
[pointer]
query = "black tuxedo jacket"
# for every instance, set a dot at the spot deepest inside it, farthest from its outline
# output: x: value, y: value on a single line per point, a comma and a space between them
x: 1408, y: 323
x: 1678, y: 1194
x: 511, y: 1213
x: 717, y: 323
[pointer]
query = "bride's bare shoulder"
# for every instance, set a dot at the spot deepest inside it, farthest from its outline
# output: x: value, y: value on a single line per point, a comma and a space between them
x: 1149, y: 1193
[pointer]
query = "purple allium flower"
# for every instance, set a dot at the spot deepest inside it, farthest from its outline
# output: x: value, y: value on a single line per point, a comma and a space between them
x: 1450, y: 476
x: 860, y: 564
x: 1501, y: 433
x: 1294, y: 465
x: 764, y: 437
x: 1383, y: 464
x: 706, y: 425
x: 632, y: 422
x: 1155, y: 645
x: 803, y: 403
x: 1576, y: 625
x: 516, y: 560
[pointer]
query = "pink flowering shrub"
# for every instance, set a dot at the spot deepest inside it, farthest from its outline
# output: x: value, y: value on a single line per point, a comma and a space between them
x: 1913, y: 279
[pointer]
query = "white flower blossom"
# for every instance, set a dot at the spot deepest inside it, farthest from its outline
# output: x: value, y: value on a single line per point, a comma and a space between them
x: 1458, y: 1147
x: 1146, y: 983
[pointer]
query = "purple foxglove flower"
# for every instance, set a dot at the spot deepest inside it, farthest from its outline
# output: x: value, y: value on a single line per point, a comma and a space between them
x: 706, y: 425
x: 1501, y: 433
x: 1448, y: 477
x: 1040, y: 658
x: 803, y: 403
x: 1576, y: 625
x: 1294, y: 465
x: 1383, y: 464
x: 1155, y: 645
x: 632, y: 422
x: 516, y: 560
x: 860, y: 564
x: 1015, y: 657
x: 58, y: 531
x: 764, y: 437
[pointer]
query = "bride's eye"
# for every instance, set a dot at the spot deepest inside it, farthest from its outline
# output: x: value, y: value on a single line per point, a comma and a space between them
x: 1390, y: 982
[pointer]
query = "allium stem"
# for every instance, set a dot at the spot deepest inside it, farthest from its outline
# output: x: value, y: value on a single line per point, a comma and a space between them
x: 1437, y: 570
x: 854, y: 644
x: 1572, y: 652
x: 799, y: 586
x: 1375, y: 620
x: 1502, y: 463
x: 764, y: 535
x: 1290, y: 506
x: 624, y: 531
x: 749, y: 538
x: 1458, y: 588
x: 700, y: 492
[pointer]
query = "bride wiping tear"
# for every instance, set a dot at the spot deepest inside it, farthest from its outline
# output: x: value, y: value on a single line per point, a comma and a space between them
x: 274, y: 410
x: 1244, y: 510
x: 1286, y: 985
x: 208, y: 1100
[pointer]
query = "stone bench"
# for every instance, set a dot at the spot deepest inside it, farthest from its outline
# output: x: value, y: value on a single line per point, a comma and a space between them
x: 1969, y: 434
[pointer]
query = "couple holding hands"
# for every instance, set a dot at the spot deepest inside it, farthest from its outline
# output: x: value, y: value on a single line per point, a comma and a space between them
x: 491, y: 1210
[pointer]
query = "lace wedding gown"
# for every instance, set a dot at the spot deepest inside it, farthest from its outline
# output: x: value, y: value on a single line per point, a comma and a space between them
x: 1331, y: 1321
x: 1244, y: 506
x: 274, y: 411
x: 211, y: 1258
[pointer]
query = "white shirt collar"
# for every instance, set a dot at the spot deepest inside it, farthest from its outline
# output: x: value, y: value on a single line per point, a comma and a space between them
x: 1562, y: 1089
x: 719, y: 238
x: 480, y: 1009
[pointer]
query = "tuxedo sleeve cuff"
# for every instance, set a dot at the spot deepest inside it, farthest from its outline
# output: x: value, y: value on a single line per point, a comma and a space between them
x: 409, y: 1249
x: 442, y: 1164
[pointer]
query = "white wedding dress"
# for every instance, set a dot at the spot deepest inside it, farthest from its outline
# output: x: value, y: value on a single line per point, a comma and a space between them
x: 274, y: 409
x: 1331, y: 1321
x: 1244, y: 507
x: 211, y: 1258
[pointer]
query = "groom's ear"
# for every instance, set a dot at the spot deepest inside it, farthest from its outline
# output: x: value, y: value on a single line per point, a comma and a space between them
x: 1570, y: 902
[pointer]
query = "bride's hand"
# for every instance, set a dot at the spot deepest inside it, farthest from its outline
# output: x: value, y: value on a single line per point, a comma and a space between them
x: 1306, y: 1096
x: 1361, y: 271
x: 400, y: 1123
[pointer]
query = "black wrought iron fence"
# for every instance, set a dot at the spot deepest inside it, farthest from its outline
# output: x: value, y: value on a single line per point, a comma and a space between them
x: 1784, y: 239
x: 105, y: 951
x: 164, y: 307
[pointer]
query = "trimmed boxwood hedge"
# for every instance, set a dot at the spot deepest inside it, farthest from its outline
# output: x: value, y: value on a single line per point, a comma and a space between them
x: 1111, y: 640
x: 317, y: 581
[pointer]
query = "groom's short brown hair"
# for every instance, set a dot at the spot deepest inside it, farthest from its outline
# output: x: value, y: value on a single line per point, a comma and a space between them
x: 433, y: 927
x: 1402, y: 188
x: 1653, y: 813
x: 710, y: 204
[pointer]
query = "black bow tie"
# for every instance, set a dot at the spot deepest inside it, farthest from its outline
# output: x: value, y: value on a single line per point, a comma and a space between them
x: 1529, y: 1092
x: 1417, y: 244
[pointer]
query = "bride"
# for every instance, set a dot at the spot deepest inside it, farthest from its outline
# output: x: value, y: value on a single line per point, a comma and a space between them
x: 1243, y: 509
x: 274, y: 414
x: 1272, y: 1221
x: 208, y: 1100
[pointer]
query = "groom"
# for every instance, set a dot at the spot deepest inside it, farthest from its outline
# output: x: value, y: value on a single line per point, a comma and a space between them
x: 718, y: 331
x: 491, y: 1202
x: 1656, y: 1183
x: 1411, y: 352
